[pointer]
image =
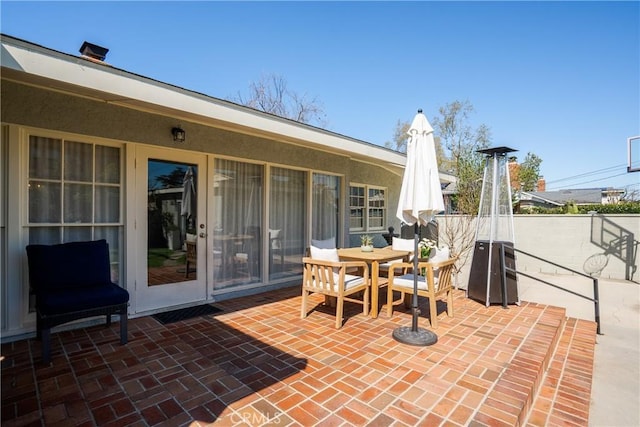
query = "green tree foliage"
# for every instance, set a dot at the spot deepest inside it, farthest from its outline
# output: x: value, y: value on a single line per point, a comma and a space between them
x: 571, y: 208
x: 618, y: 208
x: 462, y: 143
x: 173, y: 179
x: 529, y: 173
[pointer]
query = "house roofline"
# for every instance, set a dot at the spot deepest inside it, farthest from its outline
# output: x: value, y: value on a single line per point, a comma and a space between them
x: 533, y: 196
x: 29, y: 63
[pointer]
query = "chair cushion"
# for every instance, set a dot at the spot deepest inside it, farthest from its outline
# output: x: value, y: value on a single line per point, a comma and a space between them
x: 274, y: 237
x: 399, y: 244
x: 406, y: 281
x: 403, y: 244
x: 69, y: 265
x: 80, y: 298
x: 350, y: 281
x: 386, y: 265
x: 324, y: 254
x: 441, y: 254
x: 324, y: 244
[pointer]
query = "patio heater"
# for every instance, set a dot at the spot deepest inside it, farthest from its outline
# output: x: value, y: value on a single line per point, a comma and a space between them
x: 492, y: 279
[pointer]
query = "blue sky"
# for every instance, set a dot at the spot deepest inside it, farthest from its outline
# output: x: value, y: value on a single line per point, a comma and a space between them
x: 557, y: 79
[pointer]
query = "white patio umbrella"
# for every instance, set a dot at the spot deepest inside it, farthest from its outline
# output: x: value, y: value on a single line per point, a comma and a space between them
x: 420, y: 200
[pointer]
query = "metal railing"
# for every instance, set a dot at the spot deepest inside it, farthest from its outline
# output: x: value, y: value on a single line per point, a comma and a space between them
x: 595, y: 299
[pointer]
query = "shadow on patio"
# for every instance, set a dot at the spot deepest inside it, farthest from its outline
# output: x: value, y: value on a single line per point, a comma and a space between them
x: 258, y: 363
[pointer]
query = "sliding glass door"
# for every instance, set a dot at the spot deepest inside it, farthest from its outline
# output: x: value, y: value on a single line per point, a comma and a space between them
x: 287, y: 222
x: 237, y: 233
x: 325, y: 212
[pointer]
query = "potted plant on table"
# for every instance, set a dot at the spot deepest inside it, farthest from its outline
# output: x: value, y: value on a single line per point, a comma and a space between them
x: 366, y: 243
x: 425, y: 246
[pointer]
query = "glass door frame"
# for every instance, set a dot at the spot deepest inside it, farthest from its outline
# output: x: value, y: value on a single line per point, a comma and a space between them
x: 155, y: 298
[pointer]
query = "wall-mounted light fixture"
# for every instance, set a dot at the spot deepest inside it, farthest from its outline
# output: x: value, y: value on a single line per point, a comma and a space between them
x: 179, y: 135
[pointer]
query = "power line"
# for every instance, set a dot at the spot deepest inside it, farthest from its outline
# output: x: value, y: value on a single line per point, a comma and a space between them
x: 582, y: 175
x: 593, y: 180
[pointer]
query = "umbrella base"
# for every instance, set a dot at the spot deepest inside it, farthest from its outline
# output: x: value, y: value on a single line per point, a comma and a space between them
x: 420, y: 337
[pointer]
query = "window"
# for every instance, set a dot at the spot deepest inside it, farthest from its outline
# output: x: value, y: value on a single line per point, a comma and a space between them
x: 357, y: 207
x: 368, y: 208
x: 74, y: 193
x: 377, y: 212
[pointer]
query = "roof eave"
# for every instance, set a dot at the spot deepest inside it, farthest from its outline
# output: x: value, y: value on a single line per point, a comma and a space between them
x: 34, y: 64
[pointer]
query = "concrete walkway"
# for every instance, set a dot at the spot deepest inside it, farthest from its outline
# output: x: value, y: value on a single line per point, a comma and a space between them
x: 615, y: 393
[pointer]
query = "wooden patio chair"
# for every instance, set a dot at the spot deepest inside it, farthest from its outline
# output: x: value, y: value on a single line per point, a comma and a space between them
x: 434, y: 281
x: 330, y: 278
x: 400, y: 245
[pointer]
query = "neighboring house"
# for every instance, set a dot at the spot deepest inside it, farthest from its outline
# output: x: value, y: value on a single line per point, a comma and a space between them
x: 448, y: 183
x: 92, y: 151
x: 585, y: 196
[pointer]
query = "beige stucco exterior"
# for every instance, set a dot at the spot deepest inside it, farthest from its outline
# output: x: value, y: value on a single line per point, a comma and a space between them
x: 49, y: 93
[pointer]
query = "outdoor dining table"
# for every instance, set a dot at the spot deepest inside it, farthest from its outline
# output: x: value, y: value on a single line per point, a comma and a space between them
x: 374, y: 259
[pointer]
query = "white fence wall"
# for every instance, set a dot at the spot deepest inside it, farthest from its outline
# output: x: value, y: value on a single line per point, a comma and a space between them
x: 579, y: 242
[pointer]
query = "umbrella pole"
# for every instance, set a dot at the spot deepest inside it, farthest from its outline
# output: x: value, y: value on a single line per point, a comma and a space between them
x: 415, y: 335
x: 414, y: 300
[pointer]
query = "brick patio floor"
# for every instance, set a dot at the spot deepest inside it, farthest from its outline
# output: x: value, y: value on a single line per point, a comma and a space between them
x: 257, y: 363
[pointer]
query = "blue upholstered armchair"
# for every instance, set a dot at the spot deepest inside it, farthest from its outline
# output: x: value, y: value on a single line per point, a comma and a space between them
x: 73, y: 281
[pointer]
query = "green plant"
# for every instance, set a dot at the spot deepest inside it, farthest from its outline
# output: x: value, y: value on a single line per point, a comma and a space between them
x: 156, y: 257
x: 366, y: 240
x: 425, y: 246
x: 617, y: 208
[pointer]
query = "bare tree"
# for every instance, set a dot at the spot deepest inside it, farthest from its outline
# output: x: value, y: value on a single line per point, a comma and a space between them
x: 401, y: 137
x: 271, y: 94
x: 457, y: 229
x: 631, y: 195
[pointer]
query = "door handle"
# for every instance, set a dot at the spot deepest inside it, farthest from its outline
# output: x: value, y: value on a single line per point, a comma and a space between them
x: 203, y: 235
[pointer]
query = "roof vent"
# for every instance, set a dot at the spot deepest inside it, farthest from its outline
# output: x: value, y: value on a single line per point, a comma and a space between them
x: 93, y: 51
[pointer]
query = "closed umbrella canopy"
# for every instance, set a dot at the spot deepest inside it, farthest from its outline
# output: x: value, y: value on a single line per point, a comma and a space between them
x: 420, y: 200
x: 421, y: 194
x: 188, y: 195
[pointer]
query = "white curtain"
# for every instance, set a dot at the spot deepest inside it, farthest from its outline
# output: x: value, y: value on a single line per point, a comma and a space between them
x: 74, y: 193
x: 286, y: 222
x: 238, y: 189
x: 45, y: 174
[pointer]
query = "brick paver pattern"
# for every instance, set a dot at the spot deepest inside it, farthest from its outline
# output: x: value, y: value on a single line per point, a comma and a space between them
x: 258, y: 363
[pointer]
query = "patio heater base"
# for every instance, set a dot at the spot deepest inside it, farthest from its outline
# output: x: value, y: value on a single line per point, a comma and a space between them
x: 421, y: 337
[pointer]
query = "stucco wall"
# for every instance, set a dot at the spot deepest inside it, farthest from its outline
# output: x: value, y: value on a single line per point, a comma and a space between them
x: 30, y: 106
x: 574, y: 241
